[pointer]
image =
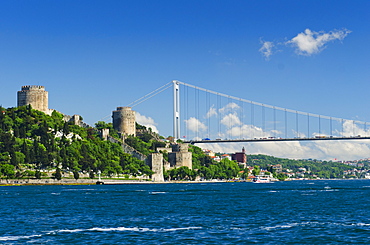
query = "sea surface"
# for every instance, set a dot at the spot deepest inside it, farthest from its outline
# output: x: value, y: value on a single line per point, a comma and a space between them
x: 294, y: 212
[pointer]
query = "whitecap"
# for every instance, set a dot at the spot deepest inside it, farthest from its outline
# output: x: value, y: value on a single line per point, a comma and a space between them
x: 362, y: 224
x: 136, y: 229
x: 276, y: 227
x: 69, y: 231
x: 15, y: 238
x: 98, y: 229
x: 185, y: 228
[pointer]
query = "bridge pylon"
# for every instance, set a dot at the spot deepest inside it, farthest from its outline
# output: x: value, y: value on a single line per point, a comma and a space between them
x: 176, y: 109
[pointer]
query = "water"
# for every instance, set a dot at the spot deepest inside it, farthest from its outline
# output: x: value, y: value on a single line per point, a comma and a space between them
x: 296, y: 212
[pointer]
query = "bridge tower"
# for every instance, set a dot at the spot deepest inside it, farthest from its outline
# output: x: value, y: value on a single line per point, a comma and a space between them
x: 176, y: 110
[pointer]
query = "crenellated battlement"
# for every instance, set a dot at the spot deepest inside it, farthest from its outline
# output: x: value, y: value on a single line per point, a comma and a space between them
x: 32, y: 87
x: 124, y: 108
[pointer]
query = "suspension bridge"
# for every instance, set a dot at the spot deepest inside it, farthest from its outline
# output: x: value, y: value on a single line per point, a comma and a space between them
x: 204, y: 116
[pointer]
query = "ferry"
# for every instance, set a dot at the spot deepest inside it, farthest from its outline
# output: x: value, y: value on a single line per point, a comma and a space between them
x: 262, y: 179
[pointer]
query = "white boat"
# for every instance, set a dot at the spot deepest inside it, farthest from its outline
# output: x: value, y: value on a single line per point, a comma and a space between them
x: 262, y: 179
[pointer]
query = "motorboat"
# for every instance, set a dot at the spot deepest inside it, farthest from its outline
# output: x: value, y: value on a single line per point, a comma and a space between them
x: 262, y: 179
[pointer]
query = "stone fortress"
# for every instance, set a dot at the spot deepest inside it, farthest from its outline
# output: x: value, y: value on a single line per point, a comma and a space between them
x: 38, y: 98
x: 124, y: 121
x: 34, y: 95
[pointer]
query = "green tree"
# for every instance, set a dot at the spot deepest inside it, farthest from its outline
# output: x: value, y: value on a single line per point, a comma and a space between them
x: 256, y: 170
x: 7, y: 170
x: 38, y: 174
x: 58, y: 174
x: 76, y: 175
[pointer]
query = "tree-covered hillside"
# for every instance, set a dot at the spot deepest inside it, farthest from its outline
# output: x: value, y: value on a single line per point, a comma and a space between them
x: 31, y: 140
x: 306, y: 168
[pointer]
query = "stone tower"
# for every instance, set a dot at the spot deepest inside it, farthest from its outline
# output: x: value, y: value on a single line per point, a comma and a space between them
x: 155, y: 161
x: 34, y: 95
x: 124, y: 121
x: 180, y: 156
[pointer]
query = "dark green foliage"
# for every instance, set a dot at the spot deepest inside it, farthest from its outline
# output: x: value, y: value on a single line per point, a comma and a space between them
x: 207, y: 168
x: 102, y: 125
x: 138, y: 126
x: 76, y: 175
x: 145, y: 143
x: 7, y: 170
x: 38, y: 174
x: 139, y: 145
x: 29, y: 136
x: 58, y: 174
x: 182, y: 173
x: 322, y: 169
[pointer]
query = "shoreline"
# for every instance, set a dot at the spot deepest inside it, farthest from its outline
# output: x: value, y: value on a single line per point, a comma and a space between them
x: 38, y: 182
x: 34, y: 182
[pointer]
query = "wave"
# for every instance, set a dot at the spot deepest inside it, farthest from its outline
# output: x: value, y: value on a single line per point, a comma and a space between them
x: 314, y: 223
x: 98, y: 229
x: 90, y: 189
x: 129, y: 229
x: 16, y: 238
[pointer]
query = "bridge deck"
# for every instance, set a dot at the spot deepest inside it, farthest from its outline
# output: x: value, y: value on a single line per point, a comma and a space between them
x: 276, y: 139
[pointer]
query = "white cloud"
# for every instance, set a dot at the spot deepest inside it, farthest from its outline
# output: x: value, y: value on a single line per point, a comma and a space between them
x: 353, y: 129
x: 146, y: 121
x: 323, y: 150
x: 229, y: 107
x: 230, y: 120
x: 212, y: 112
x: 306, y: 43
x: 266, y: 49
x: 311, y: 42
x: 299, y: 134
x: 250, y: 132
x: 195, y: 125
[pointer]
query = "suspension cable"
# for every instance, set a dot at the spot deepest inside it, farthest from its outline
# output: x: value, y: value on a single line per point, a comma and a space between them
x: 151, y: 94
x: 268, y: 106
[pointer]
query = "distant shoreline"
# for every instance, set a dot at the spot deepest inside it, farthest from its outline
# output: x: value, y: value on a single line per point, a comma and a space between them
x: 30, y: 182
x: 35, y: 182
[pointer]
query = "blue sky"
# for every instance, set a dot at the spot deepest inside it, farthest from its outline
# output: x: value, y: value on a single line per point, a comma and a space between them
x: 93, y: 56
